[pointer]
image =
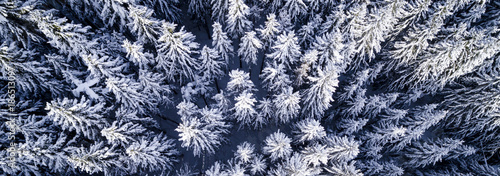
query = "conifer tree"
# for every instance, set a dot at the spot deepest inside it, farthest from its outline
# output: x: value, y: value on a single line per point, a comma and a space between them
x: 237, y: 18
x: 136, y: 55
x: 221, y: 43
x: 81, y: 116
x: 176, y: 53
x: 286, y: 50
x: 249, y: 48
x: 211, y: 66
x: 295, y: 8
x: 270, y: 30
x: 308, y: 130
x: 142, y: 24
x: 202, y: 135
x: 423, y: 154
x: 274, y: 77
x: 219, y: 10
x: 287, y: 105
x: 244, y: 108
x: 318, y: 97
x: 277, y: 146
x: 239, y: 82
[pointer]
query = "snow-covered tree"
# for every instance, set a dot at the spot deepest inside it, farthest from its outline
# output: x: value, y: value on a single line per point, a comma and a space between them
x: 342, y: 148
x: 69, y: 38
x: 373, y: 167
x: 429, y: 153
x: 194, y: 135
x: 201, y: 134
x: 96, y: 158
x: 46, y: 151
x: 316, y: 154
x: 296, y: 166
x: 109, y: 13
x: 258, y: 165
x: 244, y: 152
x: 355, y: 85
x: 338, y: 169
x: 287, y: 105
x: 215, y: 120
x: 357, y: 104
x: 330, y: 47
x: 236, y: 168
x: 186, y: 109
x: 211, y: 66
x: 307, y: 32
x: 175, y: 53
x: 104, y: 66
x: 239, y: 82
x: 216, y: 170
x: 285, y: 21
x: 295, y: 8
x: 29, y: 75
x: 153, y: 86
x: 308, y: 130
x: 274, y: 77
x: 222, y: 102
x: 221, y: 42
x: 399, y: 135
x: 278, y: 146
x: 265, y: 111
x: 321, y: 5
x: 307, y: 61
x: 122, y: 132
x: 249, y: 47
x: 376, y: 103
x: 268, y: 32
x: 286, y: 49
x: 200, y: 87
x: 82, y: 116
x: 452, y: 58
x: 244, y: 108
x: 151, y: 154
x: 472, y: 106
x: 372, y: 31
x: 136, y: 54
x: 237, y: 18
x: 143, y: 25
x: 219, y: 10
x: 125, y: 91
x: 318, y: 97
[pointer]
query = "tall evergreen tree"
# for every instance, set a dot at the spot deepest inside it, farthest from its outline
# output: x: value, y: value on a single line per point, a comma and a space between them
x: 221, y: 43
x: 176, y: 53
x: 237, y: 18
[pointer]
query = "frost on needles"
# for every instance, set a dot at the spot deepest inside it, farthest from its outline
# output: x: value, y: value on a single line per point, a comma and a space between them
x: 248, y: 87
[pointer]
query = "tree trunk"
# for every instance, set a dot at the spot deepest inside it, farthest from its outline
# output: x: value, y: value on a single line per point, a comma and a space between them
x: 217, y: 85
x: 208, y: 31
x: 173, y: 121
x: 250, y: 71
x: 204, y: 100
x: 241, y: 65
x: 263, y: 59
x: 262, y: 64
x: 203, y: 163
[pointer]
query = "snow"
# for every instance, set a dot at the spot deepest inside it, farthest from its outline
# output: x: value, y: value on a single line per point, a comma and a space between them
x: 316, y: 88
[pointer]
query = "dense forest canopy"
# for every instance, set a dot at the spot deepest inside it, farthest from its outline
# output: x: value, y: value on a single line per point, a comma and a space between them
x: 250, y: 87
